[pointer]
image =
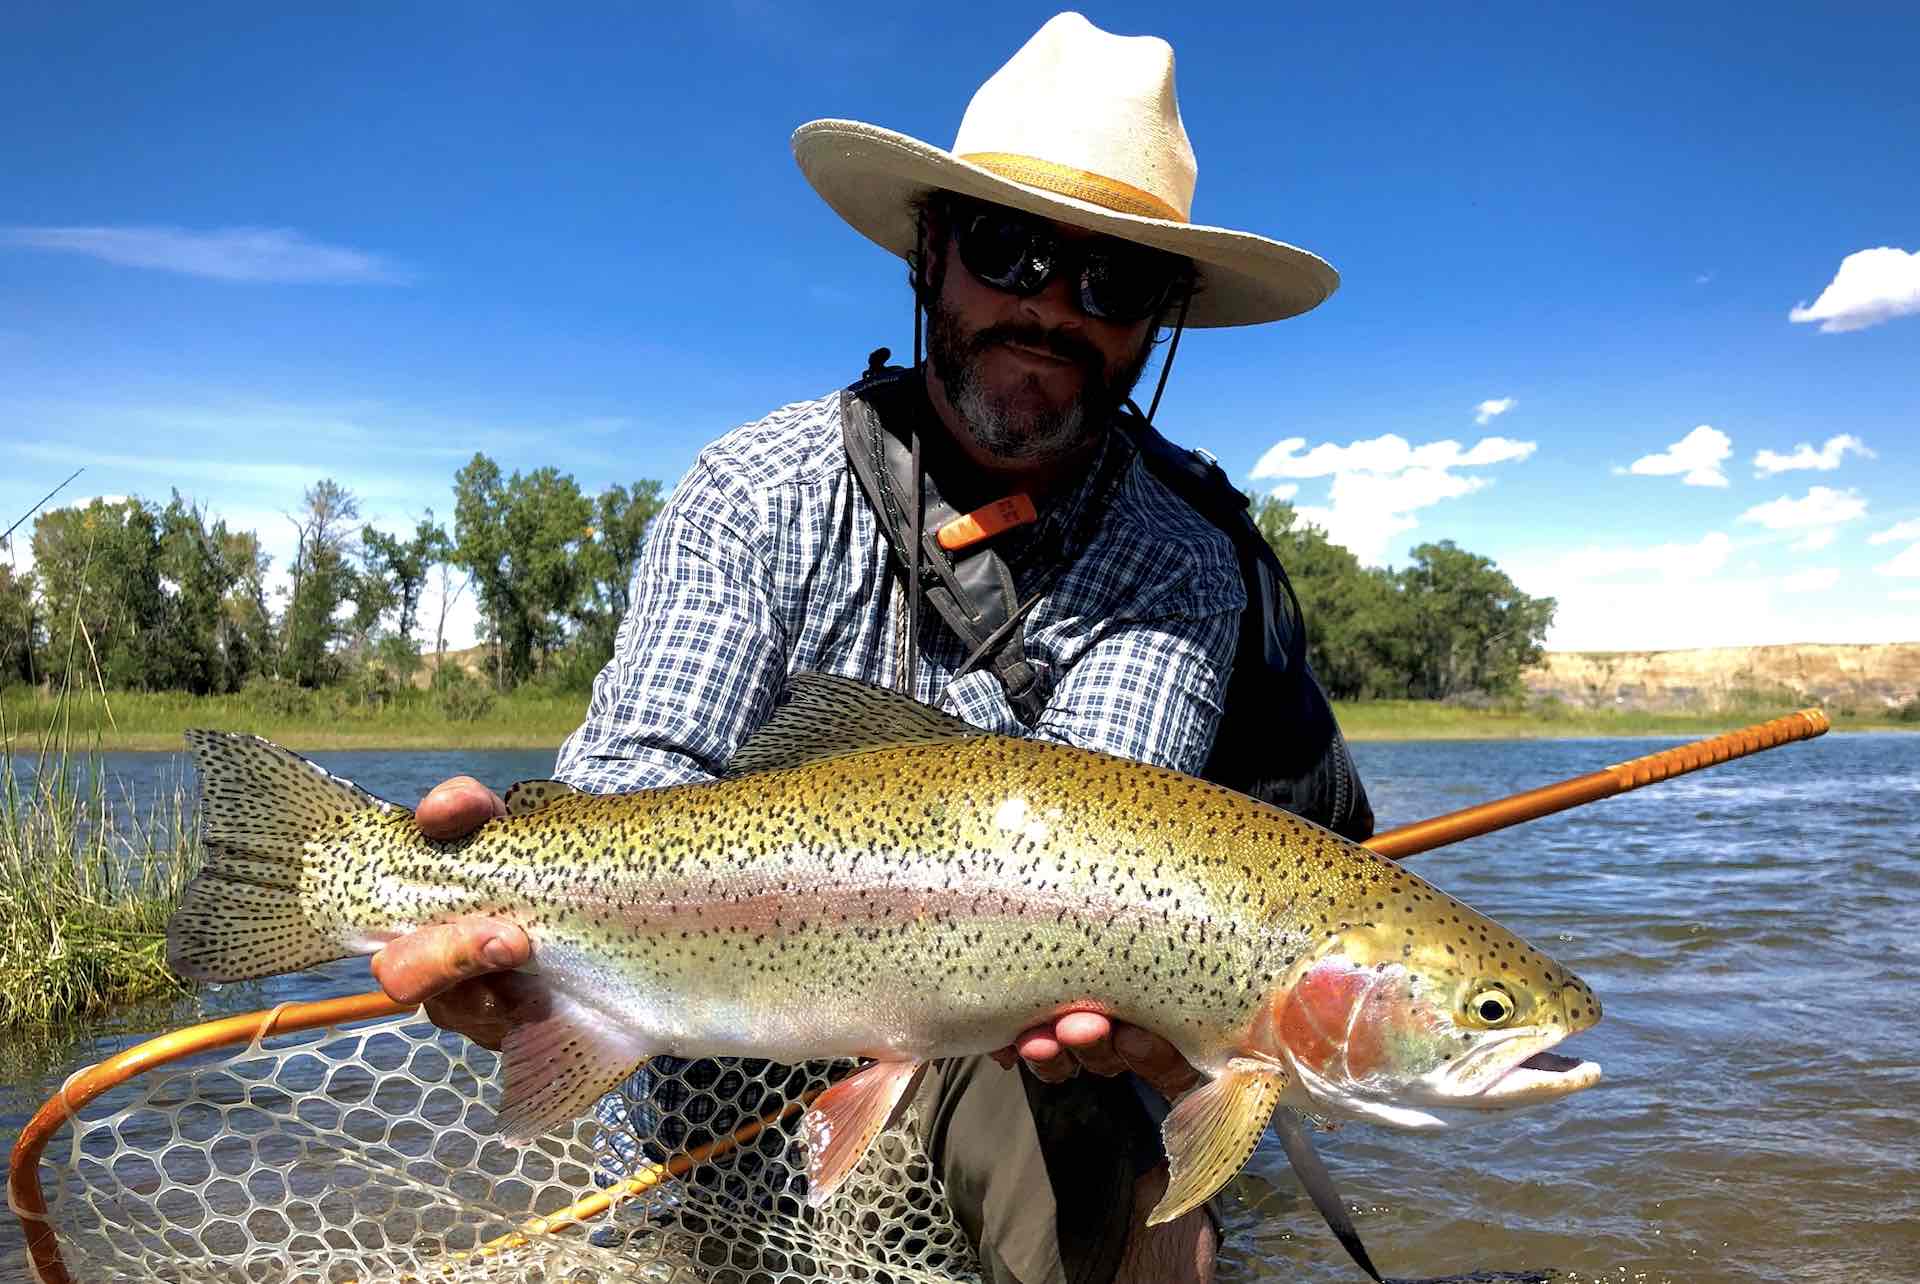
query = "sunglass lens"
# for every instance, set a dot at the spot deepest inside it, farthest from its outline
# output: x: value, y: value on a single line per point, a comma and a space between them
x: 1125, y: 286
x: 999, y: 249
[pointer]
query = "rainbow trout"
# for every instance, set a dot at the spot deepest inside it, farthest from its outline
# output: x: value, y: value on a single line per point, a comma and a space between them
x: 876, y: 879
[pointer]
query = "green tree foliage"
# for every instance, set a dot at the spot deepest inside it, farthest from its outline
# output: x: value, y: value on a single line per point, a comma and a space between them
x: 522, y: 538
x: 1472, y: 628
x: 145, y: 598
x: 396, y: 572
x: 324, y: 581
x: 107, y: 613
x: 251, y: 640
x: 19, y: 627
x: 1448, y: 624
x: 620, y: 522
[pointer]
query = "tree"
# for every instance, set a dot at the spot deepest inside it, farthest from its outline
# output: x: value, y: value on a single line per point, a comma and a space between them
x: 397, y: 571
x: 19, y: 627
x: 1351, y: 611
x: 521, y: 538
x: 621, y: 520
x: 323, y: 582
x: 1476, y: 631
x: 250, y: 641
x: 203, y: 654
x: 107, y: 611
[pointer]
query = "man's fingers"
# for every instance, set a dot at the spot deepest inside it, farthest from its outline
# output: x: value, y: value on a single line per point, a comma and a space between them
x: 1155, y: 1060
x: 1089, y: 1037
x: 473, y: 1008
x: 455, y: 808
x: 1043, y: 1054
x: 421, y: 964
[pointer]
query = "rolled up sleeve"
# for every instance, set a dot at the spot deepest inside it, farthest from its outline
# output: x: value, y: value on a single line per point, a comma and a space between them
x: 699, y: 658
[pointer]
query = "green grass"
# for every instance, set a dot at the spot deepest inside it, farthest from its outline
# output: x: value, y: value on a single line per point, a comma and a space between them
x: 85, y: 889
x: 305, y: 720
x: 1541, y: 719
x: 533, y: 719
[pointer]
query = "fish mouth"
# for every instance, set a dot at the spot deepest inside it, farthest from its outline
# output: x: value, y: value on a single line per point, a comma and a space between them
x: 1541, y: 1077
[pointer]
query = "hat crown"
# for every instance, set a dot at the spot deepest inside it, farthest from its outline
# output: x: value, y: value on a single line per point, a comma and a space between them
x: 1090, y: 103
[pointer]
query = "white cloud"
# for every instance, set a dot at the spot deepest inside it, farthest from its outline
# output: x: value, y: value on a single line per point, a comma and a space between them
x: 1901, y: 564
x: 1804, y: 456
x: 1700, y: 593
x: 249, y: 254
x: 1813, y: 540
x: 1379, y: 483
x: 1821, y: 506
x: 1816, y: 580
x: 1905, y: 595
x: 1671, y: 562
x: 1487, y: 411
x: 1695, y: 458
x: 1285, y: 490
x: 1896, y: 532
x: 1388, y: 454
x: 1871, y: 286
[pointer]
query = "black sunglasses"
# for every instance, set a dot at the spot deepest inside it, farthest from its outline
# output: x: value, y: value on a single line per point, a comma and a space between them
x: 1020, y: 253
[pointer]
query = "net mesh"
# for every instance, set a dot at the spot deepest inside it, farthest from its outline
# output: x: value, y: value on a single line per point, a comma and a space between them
x: 365, y: 1153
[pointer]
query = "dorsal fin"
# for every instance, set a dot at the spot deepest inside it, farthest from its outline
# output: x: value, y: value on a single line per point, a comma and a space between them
x: 532, y: 795
x: 821, y: 716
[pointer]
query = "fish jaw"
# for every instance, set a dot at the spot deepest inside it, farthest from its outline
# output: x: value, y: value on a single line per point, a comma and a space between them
x: 1392, y: 1042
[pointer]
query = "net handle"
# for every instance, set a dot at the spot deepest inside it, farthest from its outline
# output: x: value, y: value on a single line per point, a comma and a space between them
x: 1485, y: 818
x: 24, y: 1195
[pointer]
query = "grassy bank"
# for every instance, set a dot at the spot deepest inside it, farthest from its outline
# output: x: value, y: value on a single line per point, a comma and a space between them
x: 87, y: 879
x: 1435, y: 720
x: 527, y: 719
x: 302, y: 720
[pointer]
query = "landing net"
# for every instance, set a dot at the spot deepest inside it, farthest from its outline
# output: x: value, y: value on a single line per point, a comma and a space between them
x: 363, y: 1151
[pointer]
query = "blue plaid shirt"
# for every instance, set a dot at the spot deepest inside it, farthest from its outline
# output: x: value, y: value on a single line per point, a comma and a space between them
x: 768, y: 561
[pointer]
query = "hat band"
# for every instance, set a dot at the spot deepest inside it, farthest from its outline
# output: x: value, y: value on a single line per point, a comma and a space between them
x: 1081, y: 184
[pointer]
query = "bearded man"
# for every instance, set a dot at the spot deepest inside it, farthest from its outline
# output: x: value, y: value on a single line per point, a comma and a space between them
x: 1074, y: 596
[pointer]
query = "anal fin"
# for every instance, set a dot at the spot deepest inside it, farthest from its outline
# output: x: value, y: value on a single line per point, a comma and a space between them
x: 844, y: 1120
x: 1211, y: 1134
x: 559, y: 1057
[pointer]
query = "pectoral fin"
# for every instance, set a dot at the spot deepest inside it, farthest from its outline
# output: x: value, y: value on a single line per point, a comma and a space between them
x: 559, y: 1057
x: 844, y: 1120
x: 1212, y: 1133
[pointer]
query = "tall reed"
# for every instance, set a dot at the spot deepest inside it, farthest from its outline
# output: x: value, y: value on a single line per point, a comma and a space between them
x: 88, y: 876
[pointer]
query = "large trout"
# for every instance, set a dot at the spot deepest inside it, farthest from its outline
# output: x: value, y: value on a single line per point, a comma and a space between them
x: 879, y: 880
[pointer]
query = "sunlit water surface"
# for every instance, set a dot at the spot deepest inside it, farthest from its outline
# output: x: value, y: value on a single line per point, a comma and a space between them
x: 1754, y: 934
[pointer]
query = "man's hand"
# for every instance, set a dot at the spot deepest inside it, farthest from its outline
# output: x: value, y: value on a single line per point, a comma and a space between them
x: 1089, y: 1041
x: 447, y: 966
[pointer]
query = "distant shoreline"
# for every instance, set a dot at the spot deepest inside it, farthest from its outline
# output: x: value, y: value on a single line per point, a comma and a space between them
x: 130, y: 721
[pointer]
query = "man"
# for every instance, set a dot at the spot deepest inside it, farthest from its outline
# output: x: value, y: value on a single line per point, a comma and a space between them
x: 1047, y: 247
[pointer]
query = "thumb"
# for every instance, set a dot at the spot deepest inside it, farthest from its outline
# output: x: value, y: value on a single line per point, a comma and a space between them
x: 422, y: 963
x: 1155, y: 1060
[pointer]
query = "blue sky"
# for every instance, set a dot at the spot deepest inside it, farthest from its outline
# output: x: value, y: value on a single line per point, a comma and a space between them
x: 243, y: 248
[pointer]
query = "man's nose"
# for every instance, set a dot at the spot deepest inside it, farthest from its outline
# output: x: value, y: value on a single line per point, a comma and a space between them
x: 1057, y: 305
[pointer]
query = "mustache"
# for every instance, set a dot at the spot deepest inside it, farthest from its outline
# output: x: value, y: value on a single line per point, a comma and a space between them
x: 1059, y: 342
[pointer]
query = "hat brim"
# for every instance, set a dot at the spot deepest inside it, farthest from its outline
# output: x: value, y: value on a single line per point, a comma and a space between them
x: 872, y: 178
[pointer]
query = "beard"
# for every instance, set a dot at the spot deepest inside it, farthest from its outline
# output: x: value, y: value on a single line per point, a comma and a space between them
x: 1022, y: 425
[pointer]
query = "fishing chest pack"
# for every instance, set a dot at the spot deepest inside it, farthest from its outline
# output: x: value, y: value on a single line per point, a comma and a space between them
x: 1277, y: 739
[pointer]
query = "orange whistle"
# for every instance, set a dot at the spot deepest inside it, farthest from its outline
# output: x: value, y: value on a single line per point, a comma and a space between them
x: 986, y: 522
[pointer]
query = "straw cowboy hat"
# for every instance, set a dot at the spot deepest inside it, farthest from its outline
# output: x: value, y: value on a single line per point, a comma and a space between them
x: 1080, y: 127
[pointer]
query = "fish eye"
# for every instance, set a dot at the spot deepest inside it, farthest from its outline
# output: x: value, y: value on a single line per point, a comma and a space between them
x: 1492, y: 1006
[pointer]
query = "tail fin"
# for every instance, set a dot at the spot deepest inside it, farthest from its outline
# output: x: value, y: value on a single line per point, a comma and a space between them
x: 241, y: 916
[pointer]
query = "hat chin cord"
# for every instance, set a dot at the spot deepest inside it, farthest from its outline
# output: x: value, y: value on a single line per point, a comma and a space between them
x: 915, y: 501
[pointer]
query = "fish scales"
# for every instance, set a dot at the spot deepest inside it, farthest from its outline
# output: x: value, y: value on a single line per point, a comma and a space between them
x: 903, y: 900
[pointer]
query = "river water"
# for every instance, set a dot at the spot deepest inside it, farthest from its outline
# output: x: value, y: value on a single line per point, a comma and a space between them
x: 1753, y: 932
